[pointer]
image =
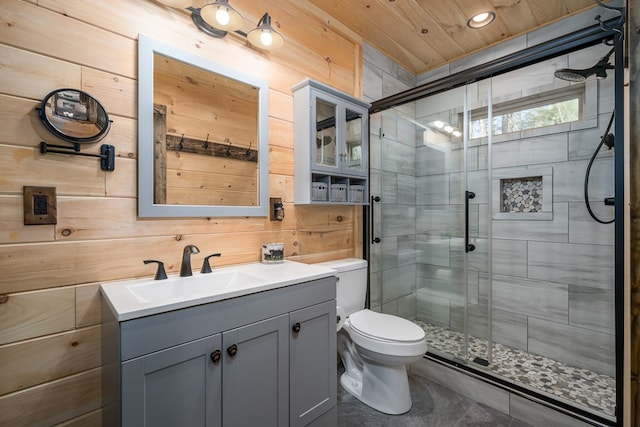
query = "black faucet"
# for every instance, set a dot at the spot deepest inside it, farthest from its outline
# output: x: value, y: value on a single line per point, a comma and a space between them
x: 161, y: 274
x: 206, y: 267
x: 185, y: 267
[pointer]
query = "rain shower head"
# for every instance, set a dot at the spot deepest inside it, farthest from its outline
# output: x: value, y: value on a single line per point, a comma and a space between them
x: 600, y: 71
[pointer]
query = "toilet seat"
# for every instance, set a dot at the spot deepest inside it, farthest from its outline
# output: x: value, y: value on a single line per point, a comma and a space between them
x: 386, y: 334
x: 385, y: 327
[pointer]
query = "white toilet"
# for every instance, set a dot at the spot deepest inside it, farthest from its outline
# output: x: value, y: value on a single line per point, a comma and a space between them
x: 375, y: 348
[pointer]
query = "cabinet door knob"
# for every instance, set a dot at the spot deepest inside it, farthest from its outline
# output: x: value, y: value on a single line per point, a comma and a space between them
x: 296, y: 327
x: 232, y: 350
x: 215, y: 356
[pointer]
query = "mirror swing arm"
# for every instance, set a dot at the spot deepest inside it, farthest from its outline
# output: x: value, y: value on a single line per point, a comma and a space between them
x: 107, y: 153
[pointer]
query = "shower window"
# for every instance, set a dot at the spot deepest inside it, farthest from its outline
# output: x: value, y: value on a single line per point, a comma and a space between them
x: 532, y: 112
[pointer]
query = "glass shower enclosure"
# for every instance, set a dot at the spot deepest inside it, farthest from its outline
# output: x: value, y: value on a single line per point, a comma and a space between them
x: 481, y: 235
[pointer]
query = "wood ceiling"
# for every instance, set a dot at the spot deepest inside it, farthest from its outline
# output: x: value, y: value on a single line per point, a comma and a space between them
x: 424, y: 34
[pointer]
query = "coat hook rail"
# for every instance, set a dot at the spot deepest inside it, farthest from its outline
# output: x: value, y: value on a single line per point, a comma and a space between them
x: 106, y: 156
x: 209, y: 148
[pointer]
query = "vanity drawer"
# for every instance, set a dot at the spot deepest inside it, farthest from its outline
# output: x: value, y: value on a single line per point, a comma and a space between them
x: 152, y: 333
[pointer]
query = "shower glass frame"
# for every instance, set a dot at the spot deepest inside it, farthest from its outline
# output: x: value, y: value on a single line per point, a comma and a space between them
x: 572, y: 42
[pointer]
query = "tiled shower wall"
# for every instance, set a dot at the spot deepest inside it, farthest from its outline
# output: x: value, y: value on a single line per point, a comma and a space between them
x: 392, y: 168
x: 552, y: 279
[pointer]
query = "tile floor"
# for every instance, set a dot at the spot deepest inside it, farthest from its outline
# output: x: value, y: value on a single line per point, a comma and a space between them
x: 577, y: 385
x: 433, y: 406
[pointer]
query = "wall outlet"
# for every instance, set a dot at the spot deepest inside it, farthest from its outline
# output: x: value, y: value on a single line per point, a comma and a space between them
x: 40, y: 205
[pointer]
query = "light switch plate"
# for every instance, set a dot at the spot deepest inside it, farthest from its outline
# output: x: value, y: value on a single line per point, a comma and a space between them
x: 40, y: 205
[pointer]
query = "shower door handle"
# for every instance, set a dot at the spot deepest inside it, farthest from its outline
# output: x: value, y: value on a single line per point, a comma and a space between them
x: 468, y: 247
x: 374, y: 239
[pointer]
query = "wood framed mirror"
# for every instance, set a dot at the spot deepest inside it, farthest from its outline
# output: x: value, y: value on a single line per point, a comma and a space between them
x: 203, y: 137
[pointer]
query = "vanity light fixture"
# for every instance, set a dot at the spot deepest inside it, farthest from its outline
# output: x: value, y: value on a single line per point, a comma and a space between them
x: 221, y: 16
x: 264, y: 36
x: 218, y: 18
x: 481, y: 19
x: 444, y: 127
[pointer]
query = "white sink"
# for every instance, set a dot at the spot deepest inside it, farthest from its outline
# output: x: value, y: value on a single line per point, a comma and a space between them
x: 130, y: 299
x: 192, y: 287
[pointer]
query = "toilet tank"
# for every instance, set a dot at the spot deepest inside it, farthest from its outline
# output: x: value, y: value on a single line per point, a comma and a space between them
x: 351, y: 289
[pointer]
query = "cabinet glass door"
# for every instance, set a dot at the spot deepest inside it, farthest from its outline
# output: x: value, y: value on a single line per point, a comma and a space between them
x: 326, y: 150
x: 354, y: 160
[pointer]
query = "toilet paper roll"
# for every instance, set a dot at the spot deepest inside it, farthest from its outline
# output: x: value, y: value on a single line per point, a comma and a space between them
x: 341, y: 317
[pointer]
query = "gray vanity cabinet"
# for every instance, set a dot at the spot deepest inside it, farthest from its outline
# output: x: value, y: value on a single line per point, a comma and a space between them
x: 178, y: 386
x: 312, y: 360
x: 255, y: 373
x: 265, y: 359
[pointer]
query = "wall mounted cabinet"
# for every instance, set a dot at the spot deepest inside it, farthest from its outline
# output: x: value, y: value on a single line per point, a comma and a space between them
x: 331, y: 134
x: 265, y: 359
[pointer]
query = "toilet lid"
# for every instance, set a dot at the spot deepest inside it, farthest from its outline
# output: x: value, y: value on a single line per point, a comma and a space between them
x: 386, y: 327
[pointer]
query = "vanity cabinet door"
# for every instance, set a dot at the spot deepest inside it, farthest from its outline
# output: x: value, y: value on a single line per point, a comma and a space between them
x: 179, y: 386
x: 255, y: 378
x: 313, y: 363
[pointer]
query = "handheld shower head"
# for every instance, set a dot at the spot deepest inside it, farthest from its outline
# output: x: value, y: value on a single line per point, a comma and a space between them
x: 600, y: 71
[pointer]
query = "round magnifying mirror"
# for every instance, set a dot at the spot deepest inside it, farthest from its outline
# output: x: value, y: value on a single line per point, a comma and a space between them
x: 74, y: 115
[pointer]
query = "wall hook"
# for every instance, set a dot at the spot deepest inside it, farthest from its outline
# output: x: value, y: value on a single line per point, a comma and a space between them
x: 206, y: 143
x: 228, y: 153
x: 180, y: 145
x: 248, y: 152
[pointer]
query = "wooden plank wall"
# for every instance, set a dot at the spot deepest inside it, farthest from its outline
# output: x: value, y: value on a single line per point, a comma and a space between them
x: 50, y: 367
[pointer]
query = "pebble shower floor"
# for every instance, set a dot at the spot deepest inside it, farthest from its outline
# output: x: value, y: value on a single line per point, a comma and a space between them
x: 584, y: 387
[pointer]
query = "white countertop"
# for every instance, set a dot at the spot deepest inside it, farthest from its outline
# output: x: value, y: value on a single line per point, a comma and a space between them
x: 130, y: 299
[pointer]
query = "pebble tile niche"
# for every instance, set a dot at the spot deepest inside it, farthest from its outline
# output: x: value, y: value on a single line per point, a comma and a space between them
x: 521, y: 194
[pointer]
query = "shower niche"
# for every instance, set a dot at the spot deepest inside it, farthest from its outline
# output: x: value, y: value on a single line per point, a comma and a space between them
x: 523, y: 195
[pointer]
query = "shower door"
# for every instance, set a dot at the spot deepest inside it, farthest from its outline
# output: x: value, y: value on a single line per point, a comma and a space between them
x: 481, y: 235
x: 429, y: 247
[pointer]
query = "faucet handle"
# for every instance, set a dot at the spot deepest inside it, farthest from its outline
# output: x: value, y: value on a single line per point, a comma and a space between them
x: 206, y: 268
x: 160, y: 273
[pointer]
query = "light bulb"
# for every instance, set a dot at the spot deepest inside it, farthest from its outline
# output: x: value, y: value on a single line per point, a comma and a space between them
x: 448, y: 129
x: 457, y: 133
x: 438, y: 124
x: 222, y: 16
x: 480, y: 17
x: 266, y: 38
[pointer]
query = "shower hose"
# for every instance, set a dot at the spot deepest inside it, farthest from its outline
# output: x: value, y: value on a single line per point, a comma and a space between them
x: 586, y: 175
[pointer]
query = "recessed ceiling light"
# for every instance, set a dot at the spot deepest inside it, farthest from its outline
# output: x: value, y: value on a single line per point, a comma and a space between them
x: 481, y: 19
